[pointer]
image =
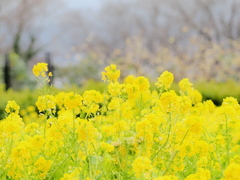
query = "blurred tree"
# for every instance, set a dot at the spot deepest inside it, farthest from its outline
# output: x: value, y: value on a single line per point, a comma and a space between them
x: 190, y: 38
x: 30, y: 52
x: 20, y: 19
x: 213, y: 20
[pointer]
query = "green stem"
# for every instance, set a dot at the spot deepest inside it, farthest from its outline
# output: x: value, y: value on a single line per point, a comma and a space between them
x: 169, y: 129
x: 216, y: 150
x: 74, y: 124
x: 227, y: 140
x: 45, y: 127
x: 74, y: 137
x: 8, y: 153
x: 99, y: 162
x: 50, y: 177
x: 88, y: 161
x: 170, y: 162
x: 174, y: 155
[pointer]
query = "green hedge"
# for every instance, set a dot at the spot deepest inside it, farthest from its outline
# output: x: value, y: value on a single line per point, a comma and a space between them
x: 209, y: 90
x: 216, y: 91
x: 26, y: 97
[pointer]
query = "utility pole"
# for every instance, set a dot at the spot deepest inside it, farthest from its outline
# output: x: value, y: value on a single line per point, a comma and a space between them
x: 50, y: 67
x: 6, y: 72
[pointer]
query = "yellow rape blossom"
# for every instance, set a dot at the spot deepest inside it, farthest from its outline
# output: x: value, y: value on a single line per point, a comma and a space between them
x: 230, y: 101
x: 74, y: 175
x: 169, y: 101
x: 46, y: 102
x: 121, y: 126
x: 37, y: 141
x: 201, y: 174
x: 40, y: 69
x: 142, y: 83
x: 11, y: 126
x: 115, y: 103
x: 195, y: 96
x: 86, y: 131
x: 232, y: 172
x: 21, y: 153
x: 92, y: 96
x: 185, y: 85
x: 115, y: 89
x: 130, y: 132
x: 72, y: 101
x: 12, y: 107
x: 167, y: 177
x: 132, y: 90
x: 107, y: 147
x: 31, y: 128
x: 129, y: 79
x: 111, y: 73
x: 142, y: 167
x: 42, y: 166
x: 165, y: 80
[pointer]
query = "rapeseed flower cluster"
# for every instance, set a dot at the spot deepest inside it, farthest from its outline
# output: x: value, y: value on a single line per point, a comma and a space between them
x: 42, y: 73
x: 41, y: 69
x: 165, y: 80
x: 12, y: 107
x: 128, y: 132
x: 111, y: 73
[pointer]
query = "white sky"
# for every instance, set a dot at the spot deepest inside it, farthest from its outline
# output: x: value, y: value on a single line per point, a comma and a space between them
x: 84, y: 4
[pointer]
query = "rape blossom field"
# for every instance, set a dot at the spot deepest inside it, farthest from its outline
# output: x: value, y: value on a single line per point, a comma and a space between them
x: 129, y: 132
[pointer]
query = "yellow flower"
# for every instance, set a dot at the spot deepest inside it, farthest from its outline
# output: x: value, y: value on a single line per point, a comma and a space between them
x: 13, y: 124
x: 86, y: 131
x: 165, y: 80
x: 203, y: 148
x: 185, y: 103
x: 167, y: 177
x: 142, y: 166
x: 73, y: 100
x: 46, y: 102
x: 12, y: 107
x: 194, y: 124
x: 121, y: 126
x: 232, y: 172
x: 60, y: 99
x: 31, y: 128
x: 115, y: 103
x: 115, y: 89
x: 185, y: 85
x: 74, y: 175
x: 111, y: 73
x: 201, y: 174
x: 142, y: 83
x: 21, y: 152
x: 169, y: 101
x: 107, y: 147
x: 30, y: 109
x: 230, y: 101
x: 129, y: 79
x: 40, y: 69
x: 42, y: 166
x: 93, y: 108
x: 37, y: 141
x: 195, y: 96
x: 132, y: 90
x: 92, y: 96
x: 50, y: 74
x: 108, y: 130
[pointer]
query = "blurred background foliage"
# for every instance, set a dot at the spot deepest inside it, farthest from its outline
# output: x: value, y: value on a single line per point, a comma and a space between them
x: 194, y: 39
